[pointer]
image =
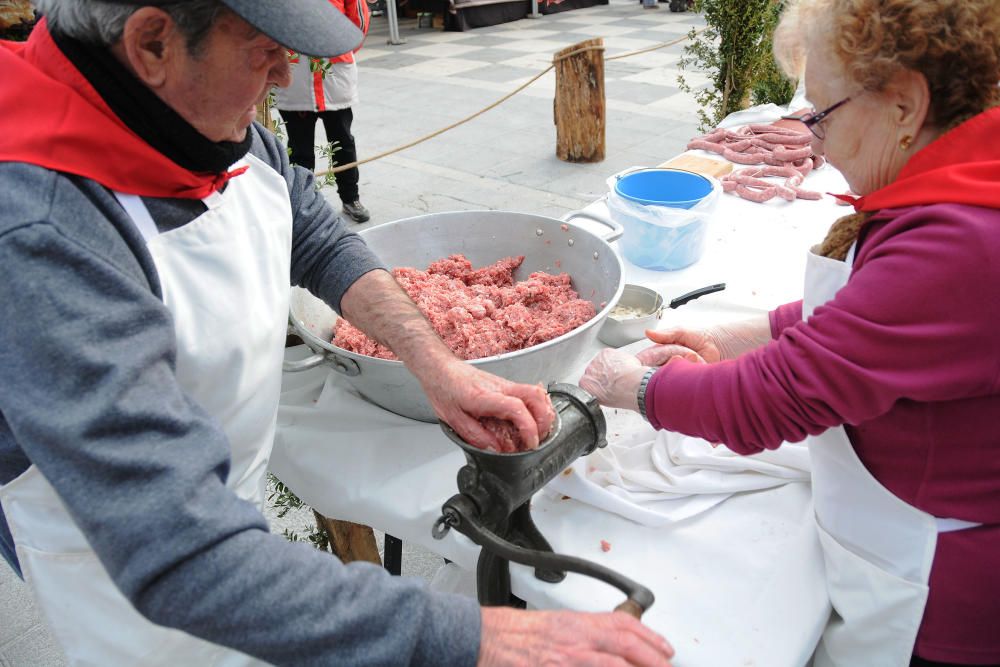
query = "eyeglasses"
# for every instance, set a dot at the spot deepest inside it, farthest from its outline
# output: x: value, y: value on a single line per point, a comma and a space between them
x: 813, y: 119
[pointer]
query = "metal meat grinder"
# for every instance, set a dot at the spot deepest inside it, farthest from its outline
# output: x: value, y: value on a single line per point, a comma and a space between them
x: 492, y: 507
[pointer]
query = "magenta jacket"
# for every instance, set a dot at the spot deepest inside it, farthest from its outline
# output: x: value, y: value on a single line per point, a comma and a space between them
x: 907, y: 357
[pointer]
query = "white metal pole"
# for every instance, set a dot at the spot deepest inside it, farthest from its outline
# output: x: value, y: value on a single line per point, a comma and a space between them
x: 390, y: 9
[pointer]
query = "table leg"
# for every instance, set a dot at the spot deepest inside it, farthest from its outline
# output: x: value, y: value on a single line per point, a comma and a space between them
x: 350, y: 541
x: 393, y: 555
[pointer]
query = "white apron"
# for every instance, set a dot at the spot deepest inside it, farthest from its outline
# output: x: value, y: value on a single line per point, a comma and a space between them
x: 877, y: 548
x: 225, y: 279
x: 329, y: 90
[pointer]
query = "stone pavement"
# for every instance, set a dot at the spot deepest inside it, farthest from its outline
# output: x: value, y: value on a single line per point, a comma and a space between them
x: 504, y: 159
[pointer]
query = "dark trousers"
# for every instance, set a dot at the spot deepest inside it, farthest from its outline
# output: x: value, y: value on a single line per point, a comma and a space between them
x: 301, y: 129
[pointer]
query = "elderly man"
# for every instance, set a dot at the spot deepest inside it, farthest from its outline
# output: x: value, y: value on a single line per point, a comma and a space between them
x: 148, y: 232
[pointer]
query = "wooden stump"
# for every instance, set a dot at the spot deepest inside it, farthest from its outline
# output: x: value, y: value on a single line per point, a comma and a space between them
x: 350, y: 541
x: 579, y: 103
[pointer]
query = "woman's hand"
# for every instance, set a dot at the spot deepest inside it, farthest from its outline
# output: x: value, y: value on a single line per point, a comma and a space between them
x: 723, y: 341
x: 613, y: 378
x: 460, y: 394
x: 693, y: 345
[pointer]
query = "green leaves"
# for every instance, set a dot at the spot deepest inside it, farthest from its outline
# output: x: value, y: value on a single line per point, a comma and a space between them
x: 328, y: 151
x: 735, y: 52
x: 284, y: 501
x: 282, y: 498
x: 321, y: 65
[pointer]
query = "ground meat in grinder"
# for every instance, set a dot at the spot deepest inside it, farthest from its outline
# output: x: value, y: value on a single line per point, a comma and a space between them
x: 507, y: 435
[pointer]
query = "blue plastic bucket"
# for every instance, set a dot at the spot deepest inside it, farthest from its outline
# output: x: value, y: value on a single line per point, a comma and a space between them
x: 644, y: 199
x: 664, y: 187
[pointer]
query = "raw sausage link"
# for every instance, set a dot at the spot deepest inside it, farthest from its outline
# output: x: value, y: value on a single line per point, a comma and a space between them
x: 787, y: 172
x: 793, y: 154
x: 751, y: 181
x: 790, y: 139
x: 742, y: 158
x: 804, y: 166
x: 808, y: 194
x: 706, y: 146
x: 740, y: 146
x: 759, y: 196
x: 758, y: 128
x: 787, y: 193
x: 748, y: 179
x: 760, y: 143
x: 715, y: 136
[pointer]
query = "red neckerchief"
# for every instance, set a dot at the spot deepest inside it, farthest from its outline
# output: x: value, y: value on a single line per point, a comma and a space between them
x: 52, y: 117
x: 960, y: 167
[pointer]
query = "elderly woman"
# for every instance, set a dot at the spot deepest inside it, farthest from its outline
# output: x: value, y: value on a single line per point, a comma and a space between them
x: 890, y: 366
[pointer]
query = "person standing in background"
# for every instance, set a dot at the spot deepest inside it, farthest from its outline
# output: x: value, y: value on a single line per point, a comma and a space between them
x: 327, y: 89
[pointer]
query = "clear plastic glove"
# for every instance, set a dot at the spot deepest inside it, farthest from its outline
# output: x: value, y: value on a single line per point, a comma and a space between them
x: 725, y: 341
x: 692, y: 344
x: 613, y: 378
x: 516, y: 638
x: 461, y: 393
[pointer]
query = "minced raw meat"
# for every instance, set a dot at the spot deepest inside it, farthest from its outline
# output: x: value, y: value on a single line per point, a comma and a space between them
x: 482, y: 312
x: 506, y: 434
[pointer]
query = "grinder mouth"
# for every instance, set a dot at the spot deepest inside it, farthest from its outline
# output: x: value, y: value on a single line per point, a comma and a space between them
x: 476, y: 451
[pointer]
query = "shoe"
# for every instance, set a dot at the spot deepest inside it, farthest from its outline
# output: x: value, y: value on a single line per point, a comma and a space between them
x: 356, y: 211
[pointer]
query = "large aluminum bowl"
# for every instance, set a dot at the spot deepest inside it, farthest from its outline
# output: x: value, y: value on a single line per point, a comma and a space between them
x: 484, y: 237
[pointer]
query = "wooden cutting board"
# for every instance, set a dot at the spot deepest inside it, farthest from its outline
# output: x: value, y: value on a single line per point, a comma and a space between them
x: 700, y: 165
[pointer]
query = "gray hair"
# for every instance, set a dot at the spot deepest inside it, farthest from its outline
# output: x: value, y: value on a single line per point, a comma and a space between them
x: 103, y: 22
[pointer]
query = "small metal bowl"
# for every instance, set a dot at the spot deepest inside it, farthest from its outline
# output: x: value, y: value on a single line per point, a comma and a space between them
x: 618, y: 331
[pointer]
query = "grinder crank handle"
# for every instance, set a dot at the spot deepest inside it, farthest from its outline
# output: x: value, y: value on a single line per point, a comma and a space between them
x: 639, y: 599
x: 631, y: 607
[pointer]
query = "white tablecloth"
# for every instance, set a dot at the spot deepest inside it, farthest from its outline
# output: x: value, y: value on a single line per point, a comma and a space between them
x: 738, y: 584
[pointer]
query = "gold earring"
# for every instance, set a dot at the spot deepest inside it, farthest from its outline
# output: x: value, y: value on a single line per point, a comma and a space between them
x: 905, y: 142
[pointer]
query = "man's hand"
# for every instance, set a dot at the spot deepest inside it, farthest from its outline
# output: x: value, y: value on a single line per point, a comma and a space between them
x: 613, y: 378
x: 690, y: 344
x: 461, y: 394
x: 516, y: 638
x: 458, y: 392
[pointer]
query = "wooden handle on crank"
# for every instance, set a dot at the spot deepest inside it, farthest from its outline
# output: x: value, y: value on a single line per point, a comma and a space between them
x: 631, y: 608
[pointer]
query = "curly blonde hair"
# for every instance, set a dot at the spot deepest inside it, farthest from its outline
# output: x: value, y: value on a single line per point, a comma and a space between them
x: 955, y: 44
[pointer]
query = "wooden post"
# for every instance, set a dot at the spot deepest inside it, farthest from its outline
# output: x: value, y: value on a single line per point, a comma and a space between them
x: 350, y: 541
x: 579, y: 102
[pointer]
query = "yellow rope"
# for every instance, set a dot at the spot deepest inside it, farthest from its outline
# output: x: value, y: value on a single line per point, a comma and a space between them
x: 500, y: 101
